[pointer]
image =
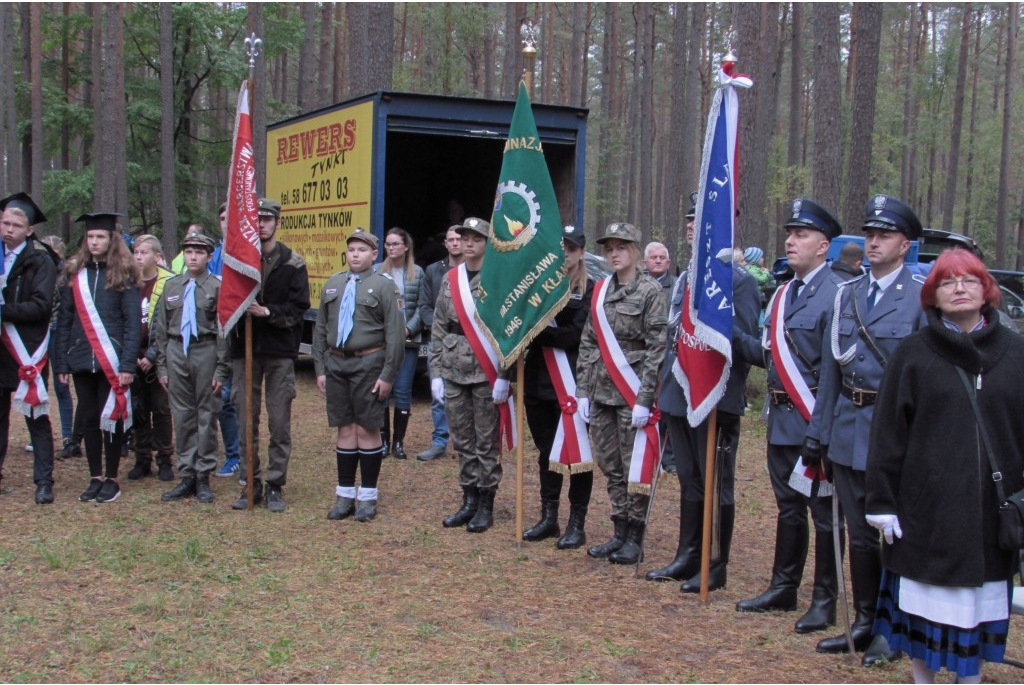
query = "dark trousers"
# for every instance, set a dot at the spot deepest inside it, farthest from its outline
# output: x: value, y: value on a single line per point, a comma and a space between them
x: 850, y: 489
x: 40, y: 433
x: 793, y: 505
x: 151, y: 417
x: 92, y: 390
x: 543, y: 417
x: 691, y: 455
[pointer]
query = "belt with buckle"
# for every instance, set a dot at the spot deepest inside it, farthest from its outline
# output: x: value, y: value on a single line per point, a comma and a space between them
x: 348, y: 354
x: 205, y: 337
x: 859, y: 396
x: 781, y: 398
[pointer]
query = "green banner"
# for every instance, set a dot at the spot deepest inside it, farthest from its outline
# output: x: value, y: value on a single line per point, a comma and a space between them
x: 523, y: 276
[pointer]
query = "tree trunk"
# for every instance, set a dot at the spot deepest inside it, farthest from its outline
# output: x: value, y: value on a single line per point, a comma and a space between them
x: 949, y: 198
x: 865, y: 89
x: 168, y: 188
x: 972, y: 127
x: 325, y: 81
x: 1002, y: 199
x: 512, y: 66
x: 577, y: 55
x: 907, y: 170
x: 794, y: 148
x: 827, y: 134
x: 259, y: 99
x: 110, y: 193
x: 307, y: 58
x: 606, y: 168
x: 36, y: 77
x: 339, y: 54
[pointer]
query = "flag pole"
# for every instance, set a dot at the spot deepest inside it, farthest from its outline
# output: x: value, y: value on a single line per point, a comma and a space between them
x: 709, y: 481
x: 252, y: 49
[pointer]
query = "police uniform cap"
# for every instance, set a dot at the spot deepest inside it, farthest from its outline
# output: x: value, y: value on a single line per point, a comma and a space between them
x: 627, y: 233
x: 809, y: 214
x: 268, y: 207
x: 198, y: 240
x: 692, y: 212
x: 574, y: 235
x: 99, y: 221
x: 364, y: 237
x: 23, y: 202
x: 478, y: 226
x: 889, y: 214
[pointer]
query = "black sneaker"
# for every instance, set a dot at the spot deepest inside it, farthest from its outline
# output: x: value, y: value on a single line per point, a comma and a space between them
x: 242, y: 502
x: 69, y: 450
x: 90, y: 492
x: 109, y: 492
x: 274, y: 498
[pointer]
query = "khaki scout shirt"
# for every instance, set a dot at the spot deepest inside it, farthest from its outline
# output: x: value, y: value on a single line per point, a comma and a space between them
x: 637, y: 313
x: 451, y: 356
x: 167, y: 320
x: 378, y: 321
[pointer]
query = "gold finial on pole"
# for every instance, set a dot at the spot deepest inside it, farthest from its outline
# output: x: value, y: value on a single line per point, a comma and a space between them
x: 528, y: 32
x: 253, y: 47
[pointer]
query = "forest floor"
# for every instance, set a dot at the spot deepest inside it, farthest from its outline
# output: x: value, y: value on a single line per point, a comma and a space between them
x: 141, y: 591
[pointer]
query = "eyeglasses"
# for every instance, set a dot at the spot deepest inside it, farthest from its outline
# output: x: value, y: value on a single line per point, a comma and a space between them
x: 968, y: 283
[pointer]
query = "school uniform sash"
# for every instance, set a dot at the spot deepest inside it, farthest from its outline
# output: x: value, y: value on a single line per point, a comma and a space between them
x: 119, y: 402
x: 570, y: 452
x: 465, y: 307
x: 30, y: 397
x: 646, y: 444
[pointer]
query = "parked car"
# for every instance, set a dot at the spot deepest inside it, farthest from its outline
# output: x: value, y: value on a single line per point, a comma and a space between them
x: 1012, y: 306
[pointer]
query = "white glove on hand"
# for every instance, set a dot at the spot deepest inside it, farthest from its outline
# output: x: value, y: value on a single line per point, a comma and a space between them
x: 640, y: 416
x: 583, y: 408
x: 437, y: 390
x: 887, y: 523
x: 500, y: 391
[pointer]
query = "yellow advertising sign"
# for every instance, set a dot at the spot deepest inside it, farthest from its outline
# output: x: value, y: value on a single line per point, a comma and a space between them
x: 320, y: 170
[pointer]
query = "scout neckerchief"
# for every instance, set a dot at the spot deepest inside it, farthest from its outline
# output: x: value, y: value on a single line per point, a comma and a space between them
x: 119, y: 402
x: 30, y: 398
x: 570, y: 452
x: 465, y: 307
x: 646, y: 452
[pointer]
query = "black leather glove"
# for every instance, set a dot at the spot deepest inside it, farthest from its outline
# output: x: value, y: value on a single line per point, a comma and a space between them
x: 812, y: 452
x: 826, y: 465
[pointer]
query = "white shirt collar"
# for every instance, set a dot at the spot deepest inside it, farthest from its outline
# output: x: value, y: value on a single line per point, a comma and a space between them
x: 885, y: 281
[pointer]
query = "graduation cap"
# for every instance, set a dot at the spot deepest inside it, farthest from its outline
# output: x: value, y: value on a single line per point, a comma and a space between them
x: 99, y: 221
x: 23, y: 202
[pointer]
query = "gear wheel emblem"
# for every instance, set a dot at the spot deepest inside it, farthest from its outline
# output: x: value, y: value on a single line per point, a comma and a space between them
x: 521, y: 232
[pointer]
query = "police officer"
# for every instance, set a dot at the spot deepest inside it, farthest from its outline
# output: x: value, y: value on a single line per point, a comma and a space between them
x: 798, y: 316
x: 470, y: 401
x: 358, y: 348
x: 192, y: 365
x: 873, y: 314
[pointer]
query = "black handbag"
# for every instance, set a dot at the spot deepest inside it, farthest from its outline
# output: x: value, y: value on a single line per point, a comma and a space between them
x: 1011, y: 509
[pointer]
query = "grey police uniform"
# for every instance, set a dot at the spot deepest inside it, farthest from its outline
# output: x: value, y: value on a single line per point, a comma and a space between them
x: 374, y: 349
x: 194, y: 405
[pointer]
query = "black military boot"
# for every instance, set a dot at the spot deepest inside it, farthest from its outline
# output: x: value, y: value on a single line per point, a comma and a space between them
x: 687, y: 561
x: 242, y: 502
x: 633, y: 550
x: 484, y: 516
x: 143, y: 467
x: 788, y: 569
x: 164, y: 471
x: 470, y: 503
x: 186, y: 488
x: 618, y: 539
x: 575, y: 536
x: 401, y: 423
x: 717, y: 568
x: 822, y: 612
x: 547, y: 527
x: 385, y: 434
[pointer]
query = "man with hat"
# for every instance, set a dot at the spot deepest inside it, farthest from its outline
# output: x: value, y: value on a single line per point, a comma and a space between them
x: 458, y: 379
x: 277, y: 315
x: 192, y: 365
x: 873, y: 314
x: 358, y: 347
x: 29, y: 280
x: 797, y: 320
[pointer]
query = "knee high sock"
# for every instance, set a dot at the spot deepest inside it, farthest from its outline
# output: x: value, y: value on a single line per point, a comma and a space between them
x: 347, y: 462
x: 369, y: 467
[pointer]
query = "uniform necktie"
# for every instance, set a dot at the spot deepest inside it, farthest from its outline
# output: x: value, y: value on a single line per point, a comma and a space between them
x: 797, y: 285
x: 189, y: 327
x: 872, y: 295
x: 347, y: 309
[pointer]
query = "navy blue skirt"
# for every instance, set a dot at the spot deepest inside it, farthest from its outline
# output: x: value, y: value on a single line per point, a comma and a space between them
x: 958, y: 650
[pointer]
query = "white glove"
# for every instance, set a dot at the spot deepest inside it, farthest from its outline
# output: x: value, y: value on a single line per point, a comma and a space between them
x: 500, y: 391
x: 437, y: 390
x: 583, y: 408
x: 887, y: 523
x: 640, y: 416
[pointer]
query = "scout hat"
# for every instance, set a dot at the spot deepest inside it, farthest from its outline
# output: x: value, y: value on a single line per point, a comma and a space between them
x: 363, y: 236
x: 23, y: 202
x: 889, y: 214
x: 627, y: 233
x: 574, y: 235
x: 478, y: 226
x: 198, y: 240
x: 268, y: 207
x: 809, y: 214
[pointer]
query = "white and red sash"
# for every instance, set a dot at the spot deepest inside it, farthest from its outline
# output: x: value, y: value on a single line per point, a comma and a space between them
x: 30, y: 398
x: 646, y: 452
x: 570, y: 452
x: 465, y: 307
x: 119, y: 403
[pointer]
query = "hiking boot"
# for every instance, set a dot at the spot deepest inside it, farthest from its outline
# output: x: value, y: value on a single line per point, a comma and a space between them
x: 274, y: 498
x: 242, y: 502
x: 203, y: 492
x: 141, y: 469
x: 164, y: 472
x: 70, y: 449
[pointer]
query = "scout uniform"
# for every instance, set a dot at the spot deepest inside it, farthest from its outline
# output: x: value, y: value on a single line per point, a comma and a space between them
x: 867, y: 326
x: 371, y: 349
x: 189, y: 355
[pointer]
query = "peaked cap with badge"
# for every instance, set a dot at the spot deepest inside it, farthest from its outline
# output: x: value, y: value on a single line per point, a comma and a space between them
x: 889, y: 214
x: 809, y: 214
x: 627, y: 233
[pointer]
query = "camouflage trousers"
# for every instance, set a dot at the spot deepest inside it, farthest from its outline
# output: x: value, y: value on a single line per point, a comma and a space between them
x: 612, y: 438
x: 473, y: 427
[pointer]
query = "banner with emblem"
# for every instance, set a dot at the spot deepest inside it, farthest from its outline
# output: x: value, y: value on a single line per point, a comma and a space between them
x: 523, y: 276
x: 704, y: 345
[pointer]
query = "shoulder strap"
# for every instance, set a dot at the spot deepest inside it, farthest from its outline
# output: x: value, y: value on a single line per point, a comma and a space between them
x: 997, y: 475
x: 863, y: 330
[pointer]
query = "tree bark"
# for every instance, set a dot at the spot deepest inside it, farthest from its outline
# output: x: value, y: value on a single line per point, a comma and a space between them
x: 168, y: 187
x: 1002, y: 199
x: 795, y: 146
x: 307, y: 58
x: 259, y: 98
x: 827, y: 134
x: 865, y: 90
x: 972, y: 127
x: 325, y: 81
x: 110, y: 193
x: 949, y: 198
x: 36, y: 77
x: 907, y: 170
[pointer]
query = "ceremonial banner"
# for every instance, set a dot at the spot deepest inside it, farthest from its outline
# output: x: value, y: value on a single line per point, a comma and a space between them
x: 523, y: 275
x: 704, y: 345
x: 240, y: 279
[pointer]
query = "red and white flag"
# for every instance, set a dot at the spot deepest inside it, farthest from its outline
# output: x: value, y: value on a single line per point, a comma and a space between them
x: 240, y: 279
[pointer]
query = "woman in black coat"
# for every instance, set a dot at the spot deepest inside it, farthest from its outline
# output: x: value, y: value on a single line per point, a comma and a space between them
x: 98, y: 330
x: 946, y: 585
